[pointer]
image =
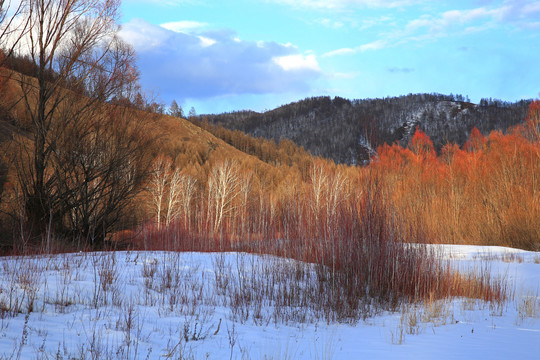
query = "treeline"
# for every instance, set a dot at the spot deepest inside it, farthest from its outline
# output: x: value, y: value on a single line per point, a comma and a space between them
x: 200, y: 196
x: 77, y: 169
x: 349, y: 131
x: 484, y: 193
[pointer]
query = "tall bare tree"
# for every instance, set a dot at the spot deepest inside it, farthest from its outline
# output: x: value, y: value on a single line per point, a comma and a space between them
x: 187, y: 193
x: 224, y: 184
x: 173, y: 196
x: 158, y: 182
x: 319, y: 184
x: 86, y: 159
x: 176, y: 110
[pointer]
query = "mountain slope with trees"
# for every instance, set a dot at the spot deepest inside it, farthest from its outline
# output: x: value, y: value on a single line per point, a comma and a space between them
x: 77, y: 139
x: 89, y: 158
x: 85, y: 160
x: 350, y: 131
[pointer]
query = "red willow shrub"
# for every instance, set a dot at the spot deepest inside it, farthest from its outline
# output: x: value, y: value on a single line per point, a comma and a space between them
x: 355, y: 239
x: 368, y: 228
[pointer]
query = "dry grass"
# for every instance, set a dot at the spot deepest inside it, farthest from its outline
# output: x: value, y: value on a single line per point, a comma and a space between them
x: 528, y: 307
x: 261, y: 292
x: 256, y: 290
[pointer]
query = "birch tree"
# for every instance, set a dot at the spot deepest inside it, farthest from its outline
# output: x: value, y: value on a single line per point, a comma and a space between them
x: 224, y: 186
x: 158, y: 184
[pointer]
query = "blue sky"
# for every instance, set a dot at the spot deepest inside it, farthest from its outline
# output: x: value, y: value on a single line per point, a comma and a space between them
x: 227, y: 55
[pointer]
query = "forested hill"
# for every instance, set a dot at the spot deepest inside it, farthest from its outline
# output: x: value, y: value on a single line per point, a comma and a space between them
x: 349, y: 131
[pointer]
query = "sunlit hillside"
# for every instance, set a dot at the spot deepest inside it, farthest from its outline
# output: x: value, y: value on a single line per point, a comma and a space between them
x: 239, y: 187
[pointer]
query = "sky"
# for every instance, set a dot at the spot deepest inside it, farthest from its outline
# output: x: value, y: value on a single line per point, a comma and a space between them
x: 229, y: 55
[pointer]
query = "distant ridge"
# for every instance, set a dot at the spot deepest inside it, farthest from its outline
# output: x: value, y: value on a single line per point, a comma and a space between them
x: 349, y: 131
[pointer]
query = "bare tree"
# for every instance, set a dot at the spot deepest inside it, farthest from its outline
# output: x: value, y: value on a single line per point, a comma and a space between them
x: 99, y: 173
x: 224, y: 186
x: 171, y: 192
x: 246, y: 184
x: 79, y: 146
x: 158, y: 184
x: 192, y: 113
x: 336, y: 195
x: 173, y: 196
x: 188, y: 190
x: 176, y: 110
x: 319, y: 185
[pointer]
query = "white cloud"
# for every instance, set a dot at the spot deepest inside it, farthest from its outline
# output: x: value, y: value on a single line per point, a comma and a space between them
x: 373, y: 22
x: 341, y: 4
x: 184, y: 26
x: 190, y: 27
x: 521, y: 13
x: 427, y: 27
x: 297, y: 62
x: 329, y: 23
x: 449, y: 20
x: 205, y: 42
x: 375, y: 45
x: 339, y: 52
x: 209, y: 63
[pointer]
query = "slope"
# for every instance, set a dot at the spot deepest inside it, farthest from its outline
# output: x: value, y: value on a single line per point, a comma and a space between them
x: 349, y: 131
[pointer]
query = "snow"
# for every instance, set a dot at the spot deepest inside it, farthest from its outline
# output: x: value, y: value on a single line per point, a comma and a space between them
x: 159, y: 305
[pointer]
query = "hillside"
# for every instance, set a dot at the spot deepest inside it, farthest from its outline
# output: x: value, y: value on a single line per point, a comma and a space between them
x: 191, y: 145
x: 209, y: 188
x: 110, y: 132
x: 350, y: 131
x: 175, y: 137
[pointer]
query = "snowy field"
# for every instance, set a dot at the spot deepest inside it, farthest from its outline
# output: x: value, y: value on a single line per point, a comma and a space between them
x: 161, y: 305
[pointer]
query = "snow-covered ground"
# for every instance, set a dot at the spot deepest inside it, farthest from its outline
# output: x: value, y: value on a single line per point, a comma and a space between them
x: 160, y: 305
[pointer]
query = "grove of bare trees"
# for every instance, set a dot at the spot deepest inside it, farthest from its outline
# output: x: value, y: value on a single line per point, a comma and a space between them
x: 79, y: 160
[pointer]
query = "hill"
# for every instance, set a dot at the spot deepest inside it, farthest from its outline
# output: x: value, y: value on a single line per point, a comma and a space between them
x: 204, y: 187
x: 349, y: 131
x: 92, y: 160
